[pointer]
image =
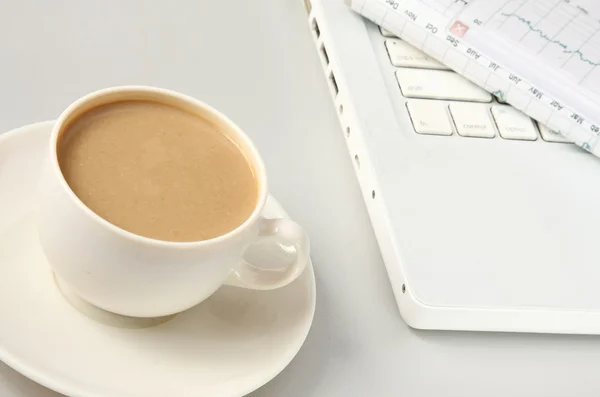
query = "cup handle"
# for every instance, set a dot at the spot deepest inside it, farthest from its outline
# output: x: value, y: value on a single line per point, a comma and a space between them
x: 252, y: 276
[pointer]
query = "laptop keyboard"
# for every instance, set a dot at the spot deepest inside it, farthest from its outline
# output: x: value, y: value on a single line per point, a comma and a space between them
x: 441, y: 102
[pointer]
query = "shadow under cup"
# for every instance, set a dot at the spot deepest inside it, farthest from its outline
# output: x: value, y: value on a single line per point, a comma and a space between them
x: 77, y: 285
x: 103, y: 316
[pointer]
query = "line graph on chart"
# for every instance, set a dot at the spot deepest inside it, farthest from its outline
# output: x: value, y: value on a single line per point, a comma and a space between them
x: 562, y: 33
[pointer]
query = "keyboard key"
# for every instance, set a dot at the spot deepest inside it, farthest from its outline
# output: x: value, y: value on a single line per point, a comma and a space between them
x: 439, y: 84
x: 429, y: 117
x: 551, y: 135
x: 512, y: 124
x: 472, y: 120
x: 403, y: 54
x: 386, y: 32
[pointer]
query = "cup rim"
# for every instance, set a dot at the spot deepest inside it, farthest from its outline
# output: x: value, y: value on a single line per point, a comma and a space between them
x: 256, y: 159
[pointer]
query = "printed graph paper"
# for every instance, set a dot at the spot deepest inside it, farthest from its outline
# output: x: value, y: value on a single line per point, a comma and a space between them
x: 563, y: 34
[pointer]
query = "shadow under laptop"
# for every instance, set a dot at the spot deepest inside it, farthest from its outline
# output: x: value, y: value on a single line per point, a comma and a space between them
x: 523, y: 360
x: 500, y: 339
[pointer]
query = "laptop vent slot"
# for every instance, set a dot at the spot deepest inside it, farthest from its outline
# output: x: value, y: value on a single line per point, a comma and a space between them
x: 315, y: 28
x: 324, y: 55
x: 333, y: 85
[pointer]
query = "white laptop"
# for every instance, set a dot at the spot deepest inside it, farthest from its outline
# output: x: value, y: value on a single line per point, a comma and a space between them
x: 486, y: 220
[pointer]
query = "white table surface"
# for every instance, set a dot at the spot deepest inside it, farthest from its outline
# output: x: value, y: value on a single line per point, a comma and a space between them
x: 258, y: 65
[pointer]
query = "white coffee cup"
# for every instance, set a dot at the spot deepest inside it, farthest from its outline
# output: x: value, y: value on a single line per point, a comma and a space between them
x: 131, y: 275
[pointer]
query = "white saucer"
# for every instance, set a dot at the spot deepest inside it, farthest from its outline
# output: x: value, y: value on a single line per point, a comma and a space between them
x: 229, y: 345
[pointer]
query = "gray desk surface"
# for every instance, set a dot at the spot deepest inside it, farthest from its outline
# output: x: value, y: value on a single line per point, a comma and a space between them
x: 258, y: 65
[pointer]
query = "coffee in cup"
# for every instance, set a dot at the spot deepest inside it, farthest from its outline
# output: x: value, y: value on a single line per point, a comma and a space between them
x: 157, y: 171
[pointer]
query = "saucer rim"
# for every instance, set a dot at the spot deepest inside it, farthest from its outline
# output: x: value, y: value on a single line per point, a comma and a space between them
x: 44, y: 378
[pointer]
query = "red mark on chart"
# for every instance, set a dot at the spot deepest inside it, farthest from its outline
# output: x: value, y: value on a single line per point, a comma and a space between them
x: 459, y: 29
